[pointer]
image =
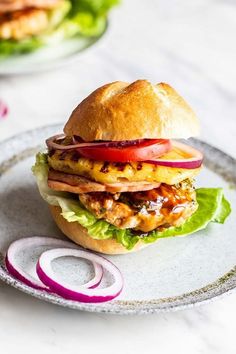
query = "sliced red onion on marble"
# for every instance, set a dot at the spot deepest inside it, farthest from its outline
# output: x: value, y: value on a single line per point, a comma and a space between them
x: 3, y: 109
x: 22, y: 257
x: 192, y: 158
x: 77, y: 292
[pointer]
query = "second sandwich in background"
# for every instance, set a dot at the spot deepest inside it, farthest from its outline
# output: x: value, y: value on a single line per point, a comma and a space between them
x: 26, y: 25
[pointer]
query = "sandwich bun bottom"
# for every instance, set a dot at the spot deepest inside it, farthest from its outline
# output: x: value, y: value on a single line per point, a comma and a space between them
x: 79, y: 235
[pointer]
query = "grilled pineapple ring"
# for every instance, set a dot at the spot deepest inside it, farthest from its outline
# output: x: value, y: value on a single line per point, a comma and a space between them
x: 111, y: 172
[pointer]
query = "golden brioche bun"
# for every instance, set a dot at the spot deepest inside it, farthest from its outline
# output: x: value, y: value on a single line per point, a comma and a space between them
x: 79, y: 235
x: 121, y: 111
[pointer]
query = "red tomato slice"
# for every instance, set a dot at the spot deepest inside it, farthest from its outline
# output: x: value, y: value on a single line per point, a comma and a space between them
x: 144, y: 150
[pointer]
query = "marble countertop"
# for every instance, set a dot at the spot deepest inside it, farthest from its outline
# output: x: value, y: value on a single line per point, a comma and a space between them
x: 190, y: 44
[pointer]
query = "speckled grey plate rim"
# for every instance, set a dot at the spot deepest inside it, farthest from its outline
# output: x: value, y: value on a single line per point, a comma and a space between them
x: 222, y: 286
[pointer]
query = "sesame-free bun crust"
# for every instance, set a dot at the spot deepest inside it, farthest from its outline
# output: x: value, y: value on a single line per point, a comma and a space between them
x: 79, y: 235
x: 121, y: 111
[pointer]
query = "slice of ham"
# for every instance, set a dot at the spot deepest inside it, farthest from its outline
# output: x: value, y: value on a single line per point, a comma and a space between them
x: 130, y: 186
x: 65, y: 182
x: 14, y: 5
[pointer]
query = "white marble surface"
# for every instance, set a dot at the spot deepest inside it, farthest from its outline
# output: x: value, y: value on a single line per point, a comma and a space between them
x: 190, y: 44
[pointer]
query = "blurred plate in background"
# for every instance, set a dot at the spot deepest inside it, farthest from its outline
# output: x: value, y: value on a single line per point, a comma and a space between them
x: 49, y: 57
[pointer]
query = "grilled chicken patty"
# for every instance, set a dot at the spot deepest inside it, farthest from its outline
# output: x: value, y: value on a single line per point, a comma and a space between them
x: 23, y: 23
x: 14, y: 5
x: 144, y: 211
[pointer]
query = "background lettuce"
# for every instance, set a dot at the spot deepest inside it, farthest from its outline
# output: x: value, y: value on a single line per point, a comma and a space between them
x: 8, y: 47
x: 72, y: 18
x: 212, y: 207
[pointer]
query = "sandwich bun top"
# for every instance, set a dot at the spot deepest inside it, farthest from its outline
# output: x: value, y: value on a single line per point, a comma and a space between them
x: 122, y: 111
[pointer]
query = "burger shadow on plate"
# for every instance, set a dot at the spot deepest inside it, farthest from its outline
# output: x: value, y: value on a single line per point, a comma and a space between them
x: 24, y: 213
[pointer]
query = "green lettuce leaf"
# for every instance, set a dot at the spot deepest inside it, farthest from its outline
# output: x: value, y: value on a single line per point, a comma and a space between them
x: 86, y: 17
x: 94, y: 7
x: 89, y: 17
x: 223, y: 211
x: 58, y: 14
x: 8, y: 47
x: 83, y: 24
x: 212, y: 207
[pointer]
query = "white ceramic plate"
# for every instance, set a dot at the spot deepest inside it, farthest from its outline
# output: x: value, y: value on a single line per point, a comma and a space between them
x: 49, y: 57
x: 171, y: 274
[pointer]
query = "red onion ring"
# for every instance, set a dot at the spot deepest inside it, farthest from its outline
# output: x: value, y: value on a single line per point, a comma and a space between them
x: 52, y: 144
x: 74, y: 292
x: 3, y: 109
x: 29, y: 276
x: 194, y: 161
